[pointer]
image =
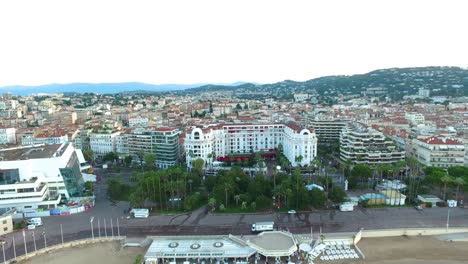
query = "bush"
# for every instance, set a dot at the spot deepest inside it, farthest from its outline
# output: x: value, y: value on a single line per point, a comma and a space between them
x: 138, y: 259
x: 263, y: 202
x: 429, y: 205
x: 19, y: 225
x: 337, y: 194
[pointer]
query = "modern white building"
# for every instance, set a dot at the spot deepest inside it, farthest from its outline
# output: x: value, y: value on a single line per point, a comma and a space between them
x: 362, y: 145
x: 103, y: 142
x: 415, y: 118
x: 228, y: 139
x: 8, y: 135
x: 327, y: 129
x: 440, y: 152
x: 138, y: 122
x: 39, y: 176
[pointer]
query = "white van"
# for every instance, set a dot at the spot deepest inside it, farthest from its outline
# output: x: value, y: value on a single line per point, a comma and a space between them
x: 346, y: 207
x: 36, y: 221
x: 140, y: 213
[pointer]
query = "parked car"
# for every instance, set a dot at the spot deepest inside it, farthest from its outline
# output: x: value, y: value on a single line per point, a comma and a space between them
x: 31, y: 227
x: 418, y: 207
x: 291, y: 211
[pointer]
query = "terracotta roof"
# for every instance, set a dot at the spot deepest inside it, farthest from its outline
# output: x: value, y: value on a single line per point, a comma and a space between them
x: 162, y: 129
x: 294, y: 127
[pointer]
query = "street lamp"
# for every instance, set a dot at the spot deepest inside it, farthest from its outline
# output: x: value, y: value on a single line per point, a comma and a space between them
x: 448, y: 218
x: 3, y: 249
x: 25, y: 246
x: 92, y: 231
x: 34, y: 239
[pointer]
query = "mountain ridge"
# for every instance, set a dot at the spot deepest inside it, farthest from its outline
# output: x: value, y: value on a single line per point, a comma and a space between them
x: 441, y: 80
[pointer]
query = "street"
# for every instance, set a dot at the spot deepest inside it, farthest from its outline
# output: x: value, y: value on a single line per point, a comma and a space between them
x: 108, y: 219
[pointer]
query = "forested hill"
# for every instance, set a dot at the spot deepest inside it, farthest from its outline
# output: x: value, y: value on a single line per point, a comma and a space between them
x: 397, y: 82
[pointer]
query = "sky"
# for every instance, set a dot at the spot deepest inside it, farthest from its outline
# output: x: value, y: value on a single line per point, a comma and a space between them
x: 203, y: 41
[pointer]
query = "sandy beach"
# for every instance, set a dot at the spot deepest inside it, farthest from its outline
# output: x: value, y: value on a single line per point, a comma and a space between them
x: 409, y: 250
x: 389, y: 250
x: 90, y: 254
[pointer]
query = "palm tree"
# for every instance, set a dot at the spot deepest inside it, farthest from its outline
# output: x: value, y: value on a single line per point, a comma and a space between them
x: 413, y: 166
x: 227, y: 187
x: 298, y: 160
x: 237, y: 198
x: 458, y: 182
x: 254, y: 205
x: 445, y: 180
x: 278, y: 192
x: 212, y: 203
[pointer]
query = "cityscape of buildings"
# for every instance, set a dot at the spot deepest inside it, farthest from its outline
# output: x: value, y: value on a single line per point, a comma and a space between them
x: 40, y: 133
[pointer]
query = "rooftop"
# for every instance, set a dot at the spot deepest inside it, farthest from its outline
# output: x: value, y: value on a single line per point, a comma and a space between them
x: 274, y: 243
x: 198, y: 247
x: 30, y: 152
x: 440, y: 141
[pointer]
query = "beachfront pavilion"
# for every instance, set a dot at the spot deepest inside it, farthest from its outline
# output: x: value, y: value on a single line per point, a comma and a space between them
x: 198, y: 249
x: 274, y: 244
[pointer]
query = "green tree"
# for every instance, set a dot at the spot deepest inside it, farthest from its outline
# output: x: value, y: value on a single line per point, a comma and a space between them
x: 445, y: 180
x: 150, y: 160
x: 227, y: 187
x: 192, y: 201
x: 210, y: 183
x: 359, y: 172
x: 238, y: 106
x: 237, y: 198
x: 88, y: 155
x: 212, y: 203
x: 253, y: 205
x: 128, y: 160
x: 459, y: 182
x: 116, y: 189
x: 197, y: 166
x: 337, y: 194
x: 244, y: 205
x: 111, y: 156
x: 298, y: 160
x: 141, y: 155
x: 317, y: 198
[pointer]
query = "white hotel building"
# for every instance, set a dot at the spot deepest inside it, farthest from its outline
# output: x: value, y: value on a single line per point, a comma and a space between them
x: 224, y: 140
x: 439, y: 152
x: 38, y: 176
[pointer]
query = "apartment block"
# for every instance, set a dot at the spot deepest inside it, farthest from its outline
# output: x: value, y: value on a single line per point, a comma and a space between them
x: 103, y: 142
x: 362, y: 145
x: 327, y: 129
x: 161, y: 141
x: 442, y: 152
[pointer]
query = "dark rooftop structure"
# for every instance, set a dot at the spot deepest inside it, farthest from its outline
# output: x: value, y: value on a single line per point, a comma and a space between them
x: 32, y: 152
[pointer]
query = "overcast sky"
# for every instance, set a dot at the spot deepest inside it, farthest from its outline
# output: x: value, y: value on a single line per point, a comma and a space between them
x: 217, y: 41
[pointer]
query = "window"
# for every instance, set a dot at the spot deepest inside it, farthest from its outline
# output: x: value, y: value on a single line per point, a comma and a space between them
x: 4, y: 222
x: 5, y: 229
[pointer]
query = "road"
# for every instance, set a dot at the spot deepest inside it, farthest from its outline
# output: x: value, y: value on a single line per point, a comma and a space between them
x: 199, y: 222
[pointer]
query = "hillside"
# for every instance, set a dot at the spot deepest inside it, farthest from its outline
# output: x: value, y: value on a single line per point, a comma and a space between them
x: 396, y: 81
